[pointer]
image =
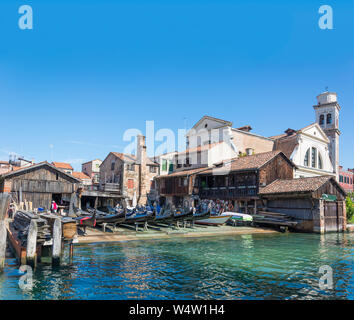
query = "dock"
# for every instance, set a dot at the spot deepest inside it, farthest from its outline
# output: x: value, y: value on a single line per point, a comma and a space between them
x: 122, y: 234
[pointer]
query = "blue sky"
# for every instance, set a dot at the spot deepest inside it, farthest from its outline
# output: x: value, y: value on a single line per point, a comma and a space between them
x: 89, y: 70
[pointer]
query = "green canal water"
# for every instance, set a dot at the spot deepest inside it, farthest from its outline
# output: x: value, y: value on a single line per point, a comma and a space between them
x: 276, y: 266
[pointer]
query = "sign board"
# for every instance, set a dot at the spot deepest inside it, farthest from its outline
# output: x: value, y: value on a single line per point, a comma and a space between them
x: 329, y: 197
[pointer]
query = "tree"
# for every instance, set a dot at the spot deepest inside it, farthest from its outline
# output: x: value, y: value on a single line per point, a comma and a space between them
x: 349, y: 202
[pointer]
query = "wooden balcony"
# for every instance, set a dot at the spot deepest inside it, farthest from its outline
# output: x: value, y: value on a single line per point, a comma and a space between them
x: 110, y: 187
x: 229, y: 192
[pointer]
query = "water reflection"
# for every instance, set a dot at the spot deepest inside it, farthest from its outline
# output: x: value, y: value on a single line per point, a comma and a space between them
x: 281, y: 266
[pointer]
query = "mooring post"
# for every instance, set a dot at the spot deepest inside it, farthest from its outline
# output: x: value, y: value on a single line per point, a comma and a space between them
x: 3, y: 235
x: 4, y: 204
x: 31, y: 256
x: 57, y: 239
x: 71, y: 254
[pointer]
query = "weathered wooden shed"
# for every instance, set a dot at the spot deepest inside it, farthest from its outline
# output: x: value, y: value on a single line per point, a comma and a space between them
x: 40, y: 184
x: 316, y: 203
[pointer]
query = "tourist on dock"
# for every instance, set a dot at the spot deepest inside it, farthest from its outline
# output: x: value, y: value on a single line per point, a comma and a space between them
x: 54, y: 207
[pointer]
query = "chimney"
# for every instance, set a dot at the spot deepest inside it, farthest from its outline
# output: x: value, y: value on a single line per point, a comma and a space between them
x: 141, y: 150
x: 245, y: 128
x: 289, y: 132
x: 143, y: 173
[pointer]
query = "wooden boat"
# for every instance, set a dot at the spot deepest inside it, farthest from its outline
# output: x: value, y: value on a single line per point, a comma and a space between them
x: 239, y: 216
x: 182, y: 214
x: 86, y: 220
x: 214, y: 220
x: 139, y: 216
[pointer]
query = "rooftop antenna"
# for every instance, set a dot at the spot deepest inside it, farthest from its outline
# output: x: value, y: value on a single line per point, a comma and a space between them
x: 326, y: 88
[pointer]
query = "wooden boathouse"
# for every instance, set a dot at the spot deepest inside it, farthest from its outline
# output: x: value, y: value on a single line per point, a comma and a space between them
x: 40, y: 184
x: 239, y: 180
x: 316, y: 203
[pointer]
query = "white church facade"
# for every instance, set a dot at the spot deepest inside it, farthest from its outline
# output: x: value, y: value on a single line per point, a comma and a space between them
x: 315, y: 149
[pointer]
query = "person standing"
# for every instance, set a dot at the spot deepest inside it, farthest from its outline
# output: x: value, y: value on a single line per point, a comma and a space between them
x: 54, y: 207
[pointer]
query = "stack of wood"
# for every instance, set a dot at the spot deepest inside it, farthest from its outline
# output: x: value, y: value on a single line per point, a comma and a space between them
x: 274, y: 218
x: 21, y: 223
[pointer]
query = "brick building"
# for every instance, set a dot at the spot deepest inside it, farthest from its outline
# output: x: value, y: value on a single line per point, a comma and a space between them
x: 130, y: 175
x: 92, y: 169
x: 346, y: 179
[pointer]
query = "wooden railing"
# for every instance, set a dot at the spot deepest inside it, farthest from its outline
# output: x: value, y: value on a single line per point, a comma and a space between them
x: 228, y: 192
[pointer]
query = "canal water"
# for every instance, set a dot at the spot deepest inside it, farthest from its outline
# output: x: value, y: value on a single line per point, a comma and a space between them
x: 274, y: 266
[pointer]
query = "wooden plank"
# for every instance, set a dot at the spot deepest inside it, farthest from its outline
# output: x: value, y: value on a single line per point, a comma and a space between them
x: 3, y: 236
x: 57, y: 232
x: 4, y: 205
x: 32, y: 244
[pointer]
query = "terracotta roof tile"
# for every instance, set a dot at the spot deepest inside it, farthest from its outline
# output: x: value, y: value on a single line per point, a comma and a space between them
x: 81, y: 175
x: 62, y: 165
x: 183, y: 173
x: 295, y: 185
x: 252, y: 162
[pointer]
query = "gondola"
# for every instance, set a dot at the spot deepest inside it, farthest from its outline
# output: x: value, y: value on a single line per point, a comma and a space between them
x: 181, y: 214
x: 139, y: 215
x: 164, y: 216
x: 86, y: 221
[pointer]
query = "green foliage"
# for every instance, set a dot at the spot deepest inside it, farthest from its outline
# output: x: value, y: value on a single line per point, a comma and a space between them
x: 350, y: 207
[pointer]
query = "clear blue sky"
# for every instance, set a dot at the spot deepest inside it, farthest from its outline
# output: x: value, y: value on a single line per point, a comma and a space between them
x: 89, y: 70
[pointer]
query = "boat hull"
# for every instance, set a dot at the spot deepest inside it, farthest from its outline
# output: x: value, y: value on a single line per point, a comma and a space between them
x: 214, y: 220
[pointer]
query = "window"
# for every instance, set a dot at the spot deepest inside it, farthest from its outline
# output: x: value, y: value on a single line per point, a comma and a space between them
x: 170, y: 168
x: 313, y: 157
x: 130, y: 184
x: 320, y: 162
x: 187, y: 164
x: 329, y: 118
x: 131, y: 167
x: 307, y: 156
x: 113, y: 165
x: 321, y: 119
x: 340, y: 178
x: 152, y: 169
x: 164, y: 165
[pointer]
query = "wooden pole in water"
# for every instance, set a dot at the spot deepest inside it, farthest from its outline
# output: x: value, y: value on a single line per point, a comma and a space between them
x: 57, y: 242
x: 3, y: 234
x: 4, y: 203
x: 31, y: 257
x: 71, y: 254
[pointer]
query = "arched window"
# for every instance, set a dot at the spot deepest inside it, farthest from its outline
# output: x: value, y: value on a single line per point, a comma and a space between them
x: 321, y: 119
x: 320, y: 162
x: 307, y: 157
x: 313, y: 157
x: 329, y: 118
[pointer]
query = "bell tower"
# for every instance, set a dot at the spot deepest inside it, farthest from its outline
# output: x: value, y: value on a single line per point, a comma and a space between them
x: 327, y: 116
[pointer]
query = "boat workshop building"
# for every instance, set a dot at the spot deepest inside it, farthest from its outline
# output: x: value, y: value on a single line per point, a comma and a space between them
x: 40, y: 184
x: 316, y: 203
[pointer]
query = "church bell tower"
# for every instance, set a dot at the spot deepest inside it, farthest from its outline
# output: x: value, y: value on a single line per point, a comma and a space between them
x: 327, y: 116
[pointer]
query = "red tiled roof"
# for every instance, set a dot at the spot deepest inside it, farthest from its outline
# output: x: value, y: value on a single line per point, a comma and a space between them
x: 81, y: 175
x: 252, y: 162
x: 295, y: 185
x: 62, y: 165
x: 183, y: 173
